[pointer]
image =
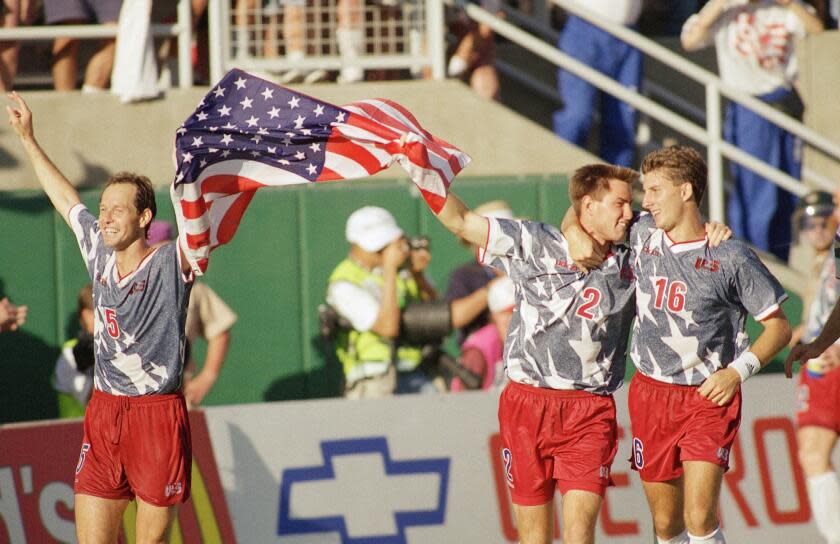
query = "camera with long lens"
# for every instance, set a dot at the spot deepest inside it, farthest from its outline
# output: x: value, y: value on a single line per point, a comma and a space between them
x: 425, y: 324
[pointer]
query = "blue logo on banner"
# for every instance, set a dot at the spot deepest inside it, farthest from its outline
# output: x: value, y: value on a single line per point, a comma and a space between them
x: 290, y: 523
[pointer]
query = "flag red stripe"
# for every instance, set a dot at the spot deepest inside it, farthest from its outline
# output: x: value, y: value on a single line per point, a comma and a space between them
x: 195, y: 241
x: 228, y: 184
x: 230, y: 222
x: 328, y: 175
x: 339, y: 144
x: 193, y: 209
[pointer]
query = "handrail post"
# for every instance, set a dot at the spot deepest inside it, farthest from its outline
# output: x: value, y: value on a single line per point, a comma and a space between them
x: 218, y: 40
x: 714, y: 158
x: 435, y: 37
x: 185, y: 70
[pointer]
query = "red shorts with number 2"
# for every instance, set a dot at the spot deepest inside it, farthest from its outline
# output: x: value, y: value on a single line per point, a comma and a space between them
x: 818, y: 399
x: 550, y: 437
x: 136, y: 446
x: 673, y: 423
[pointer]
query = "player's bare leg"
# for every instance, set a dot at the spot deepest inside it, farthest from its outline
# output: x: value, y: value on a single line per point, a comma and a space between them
x: 535, y: 523
x: 666, y: 505
x: 580, y: 513
x: 815, y: 447
x: 65, y: 63
x: 153, y: 522
x: 98, y: 520
x: 701, y: 488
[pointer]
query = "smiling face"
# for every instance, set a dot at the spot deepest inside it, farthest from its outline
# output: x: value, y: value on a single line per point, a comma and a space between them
x: 120, y: 221
x: 608, y: 217
x: 664, y: 199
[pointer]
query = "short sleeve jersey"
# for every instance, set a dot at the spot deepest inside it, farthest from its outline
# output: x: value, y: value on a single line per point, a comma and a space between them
x: 569, y: 330
x: 139, y: 319
x: 692, y: 303
x: 824, y: 301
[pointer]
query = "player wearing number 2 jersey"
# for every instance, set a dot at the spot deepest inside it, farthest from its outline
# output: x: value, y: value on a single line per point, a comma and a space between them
x: 564, y: 352
x: 137, y: 436
x: 690, y: 347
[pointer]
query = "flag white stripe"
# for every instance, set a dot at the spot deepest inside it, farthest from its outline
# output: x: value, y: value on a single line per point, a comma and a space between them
x: 344, y: 166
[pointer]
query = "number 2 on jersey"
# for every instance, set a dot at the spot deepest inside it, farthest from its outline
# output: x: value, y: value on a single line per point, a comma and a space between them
x: 111, y: 324
x: 676, y: 294
x: 591, y: 297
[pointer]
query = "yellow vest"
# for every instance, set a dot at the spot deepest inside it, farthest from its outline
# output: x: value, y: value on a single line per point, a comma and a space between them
x: 367, y: 354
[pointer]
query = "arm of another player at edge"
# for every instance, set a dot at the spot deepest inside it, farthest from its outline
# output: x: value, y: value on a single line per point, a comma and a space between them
x: 830, y: 333
x: 58, y: 189
x: 463, y: 222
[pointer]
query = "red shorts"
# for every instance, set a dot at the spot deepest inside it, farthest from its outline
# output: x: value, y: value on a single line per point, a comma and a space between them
x: 552, y: 437
x: 818, y: 400
x: 136, y: 446
x: 673, y: 423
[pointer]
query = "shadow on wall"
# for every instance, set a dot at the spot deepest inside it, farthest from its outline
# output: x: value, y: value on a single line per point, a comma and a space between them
x: 322, y: 382
x: 26, y: 367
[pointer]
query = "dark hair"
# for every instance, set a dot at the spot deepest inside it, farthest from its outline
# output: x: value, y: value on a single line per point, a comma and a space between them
x: 594, y: 180
x: 85, y: 299
x: 682, y: 165
x: 144, y: 195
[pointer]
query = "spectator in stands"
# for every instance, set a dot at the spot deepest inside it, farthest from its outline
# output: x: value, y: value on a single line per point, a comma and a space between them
x: 474, y: 59
x: 606, y: 53
x: 755, y: 52
x: 12, y: 317
x: 66, y: 50
x: 482, y: 351
x: 469, y: 284
x: 829, y: 11
x: 208, y: 317
x: 73, y: 374
x: 350, y: 37
x: 817, y: 414
x: 13, y: 13
x: 368, y: 290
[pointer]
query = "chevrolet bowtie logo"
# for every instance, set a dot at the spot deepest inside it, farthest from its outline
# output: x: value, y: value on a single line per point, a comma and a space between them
x: 363, y: 494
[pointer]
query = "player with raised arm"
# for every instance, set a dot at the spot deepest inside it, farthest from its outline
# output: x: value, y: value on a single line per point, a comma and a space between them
x: 136, y: 432
x: 564, y: 352
x: 690, y: 347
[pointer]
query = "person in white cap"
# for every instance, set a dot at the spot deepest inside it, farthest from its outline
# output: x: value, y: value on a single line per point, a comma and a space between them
x: 482, y: 351
x: 368, y: 289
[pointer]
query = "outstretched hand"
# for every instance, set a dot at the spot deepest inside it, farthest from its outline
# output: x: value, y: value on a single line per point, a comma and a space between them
x: 802, y: 353
x: 717, y: 233
x: 20, y: 116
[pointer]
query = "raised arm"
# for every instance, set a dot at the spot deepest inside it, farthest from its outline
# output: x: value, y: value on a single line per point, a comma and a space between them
x: 463, y: 222
x: 61, y: 192
x: 695, y: 33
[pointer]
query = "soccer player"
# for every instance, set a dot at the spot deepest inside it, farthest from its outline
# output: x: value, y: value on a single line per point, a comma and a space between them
x: 690, y: 347
x: 564, y: 352
x: 818, y: 395
x: 136, y: 432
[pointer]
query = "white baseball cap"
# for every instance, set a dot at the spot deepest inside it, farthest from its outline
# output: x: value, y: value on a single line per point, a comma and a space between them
x: 500, y: 296
x: 372, y: 228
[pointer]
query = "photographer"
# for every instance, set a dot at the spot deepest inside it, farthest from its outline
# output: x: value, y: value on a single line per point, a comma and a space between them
x: 369, y: 290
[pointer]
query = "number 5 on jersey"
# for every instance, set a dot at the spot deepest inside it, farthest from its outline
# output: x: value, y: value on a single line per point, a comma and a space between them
x: 111, y: 324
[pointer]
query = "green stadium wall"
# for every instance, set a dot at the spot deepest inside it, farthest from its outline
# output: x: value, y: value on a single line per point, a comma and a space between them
x: 273, y: 275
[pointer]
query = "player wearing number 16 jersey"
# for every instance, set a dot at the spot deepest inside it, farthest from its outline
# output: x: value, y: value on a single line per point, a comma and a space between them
x: 690, y: 347
x: 564, y: 352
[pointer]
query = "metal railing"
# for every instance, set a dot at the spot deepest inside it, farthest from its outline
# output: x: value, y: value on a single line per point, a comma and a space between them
x: 182, y: 30
x: 411, y: 37
x: 709, y: 135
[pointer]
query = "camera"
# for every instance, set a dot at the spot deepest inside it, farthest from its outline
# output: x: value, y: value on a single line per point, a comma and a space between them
x: 418, y: 242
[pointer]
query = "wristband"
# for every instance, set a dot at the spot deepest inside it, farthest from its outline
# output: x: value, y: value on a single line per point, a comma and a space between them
x: 746, y: 365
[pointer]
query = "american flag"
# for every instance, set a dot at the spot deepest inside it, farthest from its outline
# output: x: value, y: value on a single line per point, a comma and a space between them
x: 249, y: 133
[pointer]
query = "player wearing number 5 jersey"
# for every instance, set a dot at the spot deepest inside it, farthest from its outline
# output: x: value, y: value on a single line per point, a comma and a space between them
x: 564, y: 351
x: 690, y: 347
x: 137, y: 436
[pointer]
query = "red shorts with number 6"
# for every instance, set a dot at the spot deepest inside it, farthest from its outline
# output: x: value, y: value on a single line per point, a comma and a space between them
x: 673, y: 423
x: 136, y: 446
x: 550, y: 437
x: 818, y: 399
